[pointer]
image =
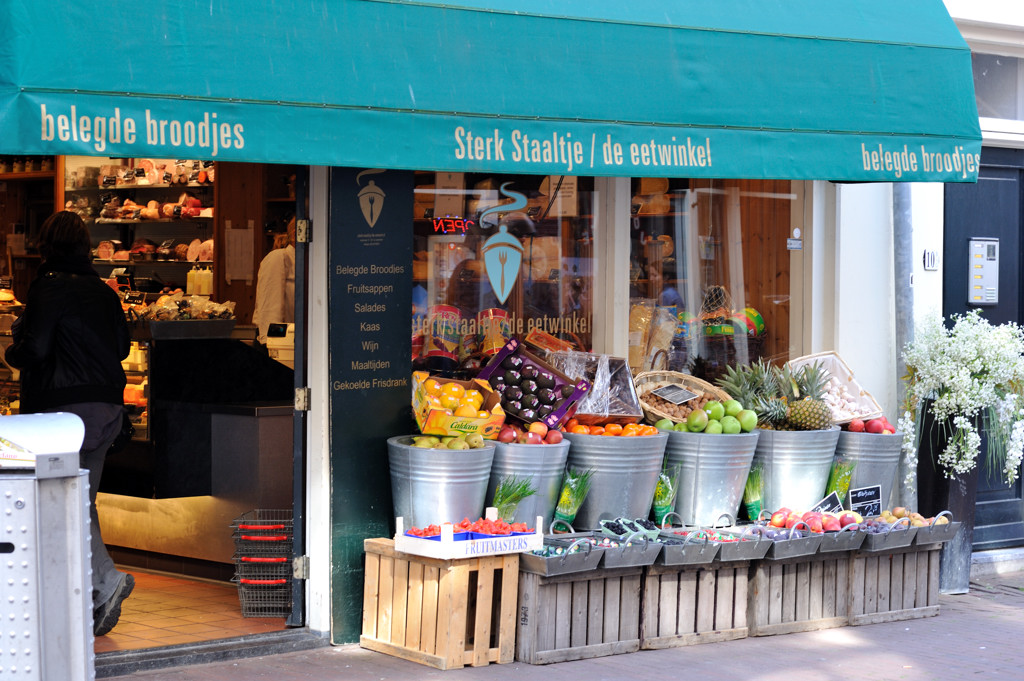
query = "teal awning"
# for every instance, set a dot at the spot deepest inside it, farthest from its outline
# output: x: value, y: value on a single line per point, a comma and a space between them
x: 858, y: 90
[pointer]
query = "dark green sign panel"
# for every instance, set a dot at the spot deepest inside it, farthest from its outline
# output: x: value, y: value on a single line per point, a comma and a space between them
x: 370, y: 312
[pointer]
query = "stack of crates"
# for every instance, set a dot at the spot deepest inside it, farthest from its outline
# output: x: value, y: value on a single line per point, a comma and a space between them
x: 263, y: 562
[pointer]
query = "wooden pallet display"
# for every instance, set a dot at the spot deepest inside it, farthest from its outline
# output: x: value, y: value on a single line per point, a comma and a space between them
x: 578, y: 615
x: 804, y: 593
x: 695, y: 604
x: 898, y: 585
x: 442, y: 613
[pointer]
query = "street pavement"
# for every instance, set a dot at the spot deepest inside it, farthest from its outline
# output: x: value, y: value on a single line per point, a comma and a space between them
x: 978, y: 635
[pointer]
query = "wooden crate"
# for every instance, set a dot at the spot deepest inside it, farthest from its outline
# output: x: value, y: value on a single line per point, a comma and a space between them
x: 799, y: 594
x: 898, y: 585
x: 578, y: 615
x: 697, y: 604
x: 442, y: 613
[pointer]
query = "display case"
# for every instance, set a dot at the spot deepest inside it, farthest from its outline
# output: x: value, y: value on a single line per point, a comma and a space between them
x: 151, y: 220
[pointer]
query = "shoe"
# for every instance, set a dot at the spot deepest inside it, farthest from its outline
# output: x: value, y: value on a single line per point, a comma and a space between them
x: 105, y: 617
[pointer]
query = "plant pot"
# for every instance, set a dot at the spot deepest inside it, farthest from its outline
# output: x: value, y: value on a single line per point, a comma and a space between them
x: 958, y: 495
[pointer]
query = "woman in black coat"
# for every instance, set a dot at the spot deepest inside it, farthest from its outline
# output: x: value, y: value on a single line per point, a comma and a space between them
x: 69, y: 344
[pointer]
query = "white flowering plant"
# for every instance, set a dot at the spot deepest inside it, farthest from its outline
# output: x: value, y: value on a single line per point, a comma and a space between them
x: 969, y: 376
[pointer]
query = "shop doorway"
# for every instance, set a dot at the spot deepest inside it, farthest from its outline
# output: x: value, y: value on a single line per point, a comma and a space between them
x: 991, y: 209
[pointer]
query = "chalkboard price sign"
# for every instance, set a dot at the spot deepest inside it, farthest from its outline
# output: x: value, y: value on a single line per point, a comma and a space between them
x: 866, y: 500
x: 830, y: 504
x: 674, y: 394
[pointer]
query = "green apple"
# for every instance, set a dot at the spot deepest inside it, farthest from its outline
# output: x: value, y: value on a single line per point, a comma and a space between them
x: 681, y: 427
x: 731, y: 425
x: 715, y: 410
x: 475, y: 440
x: 425, y: 441
x: 747, y: 419
x: 697, y: 421
x: 732, y: 407
x: 665, y: 424
x: 457, y: 443
x: 714, y: 427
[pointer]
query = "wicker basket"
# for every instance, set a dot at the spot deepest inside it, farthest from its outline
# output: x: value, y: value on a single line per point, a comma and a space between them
x: 867, y: 406
x: 652, y: 380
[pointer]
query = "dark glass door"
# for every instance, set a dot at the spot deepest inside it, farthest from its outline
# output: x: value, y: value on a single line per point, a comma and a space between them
x: 989, y: 209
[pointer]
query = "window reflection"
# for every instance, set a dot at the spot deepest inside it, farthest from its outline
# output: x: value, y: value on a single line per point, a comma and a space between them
x: 709, y: 274
x: 510, y: 252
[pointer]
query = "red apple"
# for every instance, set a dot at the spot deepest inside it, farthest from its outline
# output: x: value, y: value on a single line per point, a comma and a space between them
x: 792, y: 519
x: 831, y: 524
x: 507, y: 434
x: 856, y: 426
x: 850, y: 518
x: 532, y: 438
x: 778, y: 518
x: 874, y: 426
x: 538, y: 427
x: 553, y: 437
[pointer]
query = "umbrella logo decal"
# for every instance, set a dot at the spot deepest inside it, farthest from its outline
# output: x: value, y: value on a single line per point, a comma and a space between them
x: 371, y: 198
x: 503, y: 253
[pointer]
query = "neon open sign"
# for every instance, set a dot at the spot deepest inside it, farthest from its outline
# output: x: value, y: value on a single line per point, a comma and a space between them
x: 450, y: 225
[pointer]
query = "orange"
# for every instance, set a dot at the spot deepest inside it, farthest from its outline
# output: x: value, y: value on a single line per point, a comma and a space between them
x: 570, y: 424
x: 630, y: 429
x: 597, y: 430
x: 613, y: 429
x: 474, y: 397
x: 449, y: 401
x: 580, y: 430
x: 453, y: 389
x: 466, y: 410
x: 432, y: 386
x: 648, y: 430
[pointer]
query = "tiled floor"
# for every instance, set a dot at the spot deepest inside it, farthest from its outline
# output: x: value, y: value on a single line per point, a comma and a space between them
x: 166, y: 610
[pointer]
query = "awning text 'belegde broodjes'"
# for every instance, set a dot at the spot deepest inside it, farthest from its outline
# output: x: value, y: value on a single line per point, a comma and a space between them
x: 873, y: 90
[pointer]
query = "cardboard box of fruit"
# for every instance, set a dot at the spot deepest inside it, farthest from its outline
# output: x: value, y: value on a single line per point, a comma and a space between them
x: 461, y: 408
x: 530, y: 389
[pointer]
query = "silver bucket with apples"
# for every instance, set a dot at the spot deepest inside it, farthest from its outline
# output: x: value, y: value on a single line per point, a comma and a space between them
x: 538, y: 458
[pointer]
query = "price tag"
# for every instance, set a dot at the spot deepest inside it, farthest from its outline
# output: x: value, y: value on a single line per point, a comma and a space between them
x: 830, y: 504
x: 6, y: 282
x: 866, y: 500
x: 674, y: 394
x: 135, y: 297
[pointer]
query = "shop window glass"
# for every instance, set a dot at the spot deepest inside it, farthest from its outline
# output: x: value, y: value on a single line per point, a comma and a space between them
x: 709, y: 274
x: 496, y: 255
x: 996, y: 86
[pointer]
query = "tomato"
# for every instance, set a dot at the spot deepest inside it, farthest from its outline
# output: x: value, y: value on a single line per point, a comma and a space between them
x: 630, y: 429
x: 597, y: 430
x: 580, y: 429
x: 613, y: 429
x: 570, y: 424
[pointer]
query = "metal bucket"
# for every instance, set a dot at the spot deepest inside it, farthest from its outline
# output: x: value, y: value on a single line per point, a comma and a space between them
x: 713, y: 471
x: 438, y: 485
x: 543, y: 465
x: 876, y: 458
x: 626, y: 471
x: 795, y: 466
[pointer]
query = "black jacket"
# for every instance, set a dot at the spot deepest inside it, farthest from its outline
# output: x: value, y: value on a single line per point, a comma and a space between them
x: 71, y: 339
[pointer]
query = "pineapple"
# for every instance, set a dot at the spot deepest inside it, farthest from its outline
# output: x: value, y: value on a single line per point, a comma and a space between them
x: 771, y: 412
x: 804, y: 389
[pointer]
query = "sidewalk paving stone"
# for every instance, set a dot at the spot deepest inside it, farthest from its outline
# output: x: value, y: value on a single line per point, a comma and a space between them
x: 975, y: 636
